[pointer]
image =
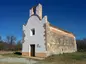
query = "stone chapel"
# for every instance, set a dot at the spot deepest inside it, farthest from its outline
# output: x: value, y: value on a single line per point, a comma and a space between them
x: 42, y: 39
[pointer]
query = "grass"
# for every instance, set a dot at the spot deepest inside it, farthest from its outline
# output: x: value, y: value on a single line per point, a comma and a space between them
x: 67, y: 58
x: 14, y: 54
x: 11, y: 55
x: 10, y: 63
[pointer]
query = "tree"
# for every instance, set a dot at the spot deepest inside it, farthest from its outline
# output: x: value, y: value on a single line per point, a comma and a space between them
x: 81, y: 44
x: 1, y: 46
x: 8, y: 39
x: 0, y: 38
x: 11, y: 40
x: 19, y: 45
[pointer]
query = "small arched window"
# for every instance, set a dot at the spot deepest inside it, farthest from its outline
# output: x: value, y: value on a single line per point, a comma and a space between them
x: 32, y: 32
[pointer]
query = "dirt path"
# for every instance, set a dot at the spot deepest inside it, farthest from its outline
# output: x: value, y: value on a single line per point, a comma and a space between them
x: 16, y: 60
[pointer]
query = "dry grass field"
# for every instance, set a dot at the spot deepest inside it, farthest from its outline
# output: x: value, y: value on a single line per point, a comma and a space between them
x: 12, y: 58
x: 68, y: 58
x: 11, y: 63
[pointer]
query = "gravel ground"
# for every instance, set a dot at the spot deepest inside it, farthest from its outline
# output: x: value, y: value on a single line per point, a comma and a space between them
x: 17, y: 60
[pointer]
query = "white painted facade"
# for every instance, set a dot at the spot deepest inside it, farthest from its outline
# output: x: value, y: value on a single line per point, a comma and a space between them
x: 38, y: 39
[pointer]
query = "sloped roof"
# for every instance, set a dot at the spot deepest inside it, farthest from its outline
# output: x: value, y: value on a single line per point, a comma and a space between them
x: 61, y: 29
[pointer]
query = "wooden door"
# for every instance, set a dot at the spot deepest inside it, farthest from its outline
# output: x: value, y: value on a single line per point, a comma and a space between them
x: 32, y: 50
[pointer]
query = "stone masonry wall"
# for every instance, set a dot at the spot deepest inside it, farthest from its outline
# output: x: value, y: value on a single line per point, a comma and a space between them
x: 58, y: 43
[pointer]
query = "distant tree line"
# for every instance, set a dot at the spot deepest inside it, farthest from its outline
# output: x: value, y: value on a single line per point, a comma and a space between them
x: 10, y: 44
x: 81, y: 45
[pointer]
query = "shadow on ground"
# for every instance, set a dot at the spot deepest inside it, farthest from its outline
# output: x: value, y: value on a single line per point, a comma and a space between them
x: 18, y: 53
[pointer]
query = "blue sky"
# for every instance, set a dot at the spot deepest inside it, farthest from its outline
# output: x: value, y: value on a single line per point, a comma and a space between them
x: 66, y: 14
